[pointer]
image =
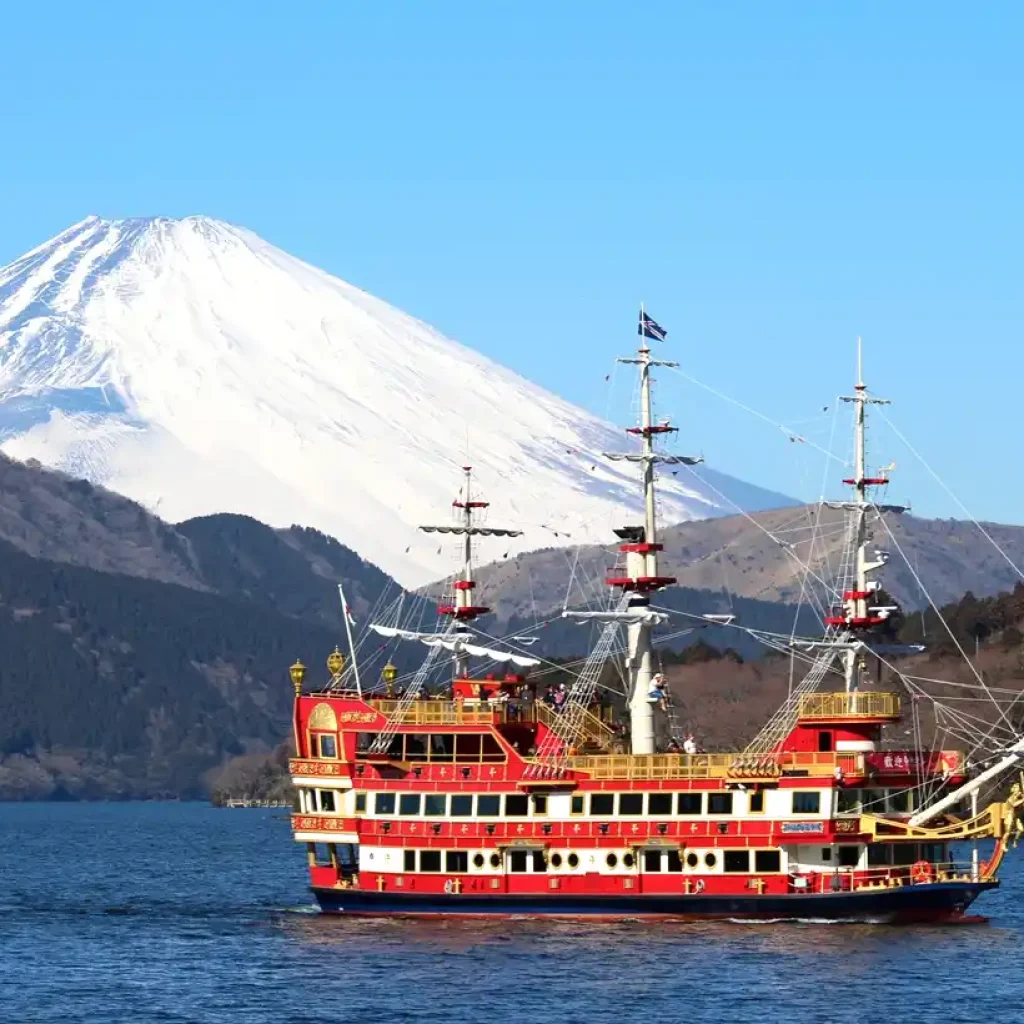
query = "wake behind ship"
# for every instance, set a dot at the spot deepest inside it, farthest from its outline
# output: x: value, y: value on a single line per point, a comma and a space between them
x: 489, y: 801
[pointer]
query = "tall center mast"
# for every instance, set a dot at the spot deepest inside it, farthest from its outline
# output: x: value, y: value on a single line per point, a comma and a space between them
x: 858, y: 612
x: 641, y: 547
x: 460, y: 607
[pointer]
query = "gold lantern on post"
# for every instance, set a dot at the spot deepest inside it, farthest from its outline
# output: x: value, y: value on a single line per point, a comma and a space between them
x: 298, y: 674
x: 389, y: 674
x: 335, y: 665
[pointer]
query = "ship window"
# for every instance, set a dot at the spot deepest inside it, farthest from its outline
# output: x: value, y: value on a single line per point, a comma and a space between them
x: 935, y: 853
x: 556, y: 860
x: 904, y: 854
x: 488, y: 806
x: 491, y: 749
x: 495, y: 860
x: 409, y: 860
x: 826, y: 854
x: 692, y: 860
x: 346, y: 855
x: 326, y: 799
x: 517, y: 805
x: 479, y: 860
x: 435, y: 805
x: 659, y: 803
x: 539, y: 863
x: 462, y: 806
x: 611, y: 860
x: 757, y: 802
x: 517, y: 861
x: 602, y: 804
x: 628, y: 860
x: 467, y: 747
x: 415, y: 747
x: 690, y: 803
x: 631, y: 803
x: 710, y: 859
x: 441, y: 747
x: 576, y: 805
x: 849, y: 856
x: 430, y: 860
x: 675, y: 862
x: 456, y: 860
x: 652, y: 860
x: 806, y: 803
x: 573, y: 860
x: 409, y: 804
x: 322, y: 855
x: 719, y: 803
x: 540, y: 803
x: 899, y: 801
x: 736, y: 860
x: 384, y: 803
x: 360, y: 803
x: 848, y: 801
x: 328, y: 744
x: 872, y: 800
x: 824, y: 742
x: 767, y: 860
x: 879, y: 855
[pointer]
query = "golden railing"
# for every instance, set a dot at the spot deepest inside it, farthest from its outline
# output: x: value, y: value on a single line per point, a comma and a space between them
x: 715, y: 766
x: 430, y: 711
x: 861, y: 704
x: 594, y: 730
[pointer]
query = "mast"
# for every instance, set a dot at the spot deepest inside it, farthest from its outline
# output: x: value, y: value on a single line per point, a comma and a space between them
x: 461, y: 608
x: 641, y: 548
x: 857, y: 612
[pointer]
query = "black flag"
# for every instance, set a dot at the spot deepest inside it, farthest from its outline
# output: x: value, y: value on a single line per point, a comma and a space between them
x: 651, y: 328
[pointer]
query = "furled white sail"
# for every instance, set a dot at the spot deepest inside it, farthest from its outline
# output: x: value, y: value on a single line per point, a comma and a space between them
x: 456, y: 643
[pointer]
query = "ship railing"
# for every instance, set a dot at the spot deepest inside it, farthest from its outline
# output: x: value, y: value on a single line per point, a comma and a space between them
x: 432, y: 711
x: 858, y: 704
x: 737, y: 766
x: 591, y: 728
x: 921, y: 872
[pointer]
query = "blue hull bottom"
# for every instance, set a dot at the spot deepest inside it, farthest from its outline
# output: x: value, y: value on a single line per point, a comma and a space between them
x: 941, y: 901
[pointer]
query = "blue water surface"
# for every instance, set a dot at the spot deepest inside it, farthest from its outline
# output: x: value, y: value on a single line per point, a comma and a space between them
x: 184, y: 913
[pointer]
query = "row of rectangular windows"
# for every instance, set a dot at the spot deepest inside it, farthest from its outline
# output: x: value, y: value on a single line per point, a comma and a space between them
x: 519, y: 861
x: 601, y: 805
x: 606, y: 805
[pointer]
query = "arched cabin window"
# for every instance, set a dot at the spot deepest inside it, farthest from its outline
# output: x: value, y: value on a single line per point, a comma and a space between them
x: 322, y: 731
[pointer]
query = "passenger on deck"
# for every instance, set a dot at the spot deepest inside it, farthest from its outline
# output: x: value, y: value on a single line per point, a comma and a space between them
x: 561, y: 695
x: 689, y: 744
x: 656, y: 694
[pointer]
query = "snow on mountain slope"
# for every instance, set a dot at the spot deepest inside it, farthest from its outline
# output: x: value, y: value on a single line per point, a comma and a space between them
x: 195, y: 368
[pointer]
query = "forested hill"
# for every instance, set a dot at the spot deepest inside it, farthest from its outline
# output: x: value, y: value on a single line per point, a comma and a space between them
x: 115, y: 686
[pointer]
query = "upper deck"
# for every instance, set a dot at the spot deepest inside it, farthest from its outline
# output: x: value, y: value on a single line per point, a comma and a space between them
x: 426, y: 741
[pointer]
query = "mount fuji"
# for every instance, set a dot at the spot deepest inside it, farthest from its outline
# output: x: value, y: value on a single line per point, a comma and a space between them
x: 193, y: 367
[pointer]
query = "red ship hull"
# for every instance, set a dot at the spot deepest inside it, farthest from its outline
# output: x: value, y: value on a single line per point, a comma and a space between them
x: 938, y: 902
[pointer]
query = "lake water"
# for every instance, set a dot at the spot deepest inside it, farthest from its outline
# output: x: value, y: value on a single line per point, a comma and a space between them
x: 182, y: 913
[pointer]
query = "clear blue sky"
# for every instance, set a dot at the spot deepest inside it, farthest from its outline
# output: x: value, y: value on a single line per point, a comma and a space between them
x: 771, y: 178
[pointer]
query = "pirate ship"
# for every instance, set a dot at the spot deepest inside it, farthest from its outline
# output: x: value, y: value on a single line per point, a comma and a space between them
x: 483, y: 801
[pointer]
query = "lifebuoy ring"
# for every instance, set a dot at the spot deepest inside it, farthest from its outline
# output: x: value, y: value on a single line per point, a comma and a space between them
x: 922, y: 872
x: 449, y: 886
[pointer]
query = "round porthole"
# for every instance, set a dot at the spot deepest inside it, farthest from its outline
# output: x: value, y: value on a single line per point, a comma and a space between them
x: 711, y: 860
x: 478, y: 860
x: 611, y: 860
x: 628, y: 860
x: 573, y: 861
x: 692, y: 860
x: 495, y: 860
x: 556, y: 860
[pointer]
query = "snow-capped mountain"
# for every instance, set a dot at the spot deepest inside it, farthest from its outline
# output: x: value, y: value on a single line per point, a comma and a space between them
x: 195, y: 368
